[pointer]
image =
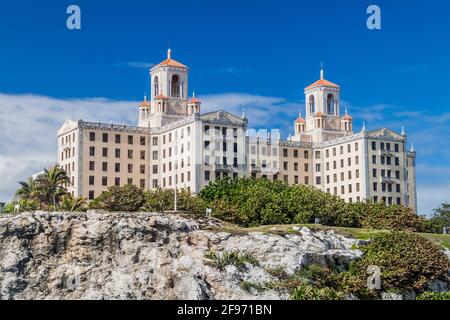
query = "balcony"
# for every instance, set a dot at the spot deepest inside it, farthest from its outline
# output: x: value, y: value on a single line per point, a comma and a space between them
x: 389, y: 180
x: 387, y: 153
x: 224, y: 167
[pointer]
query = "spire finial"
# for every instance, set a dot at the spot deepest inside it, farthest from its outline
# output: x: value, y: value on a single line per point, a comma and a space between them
x: 412, y: 147
x: 346, y: 111
x: 321, y: 70
x: 244, y: 115
x: 169, y: 53
x: 364, y: 129
x: 300, y: 113
x: 145, y: 96
x: 403, y: 131
x: 193, y: 94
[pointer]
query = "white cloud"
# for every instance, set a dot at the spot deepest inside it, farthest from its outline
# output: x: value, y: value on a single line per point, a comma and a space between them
x: 28, y: 126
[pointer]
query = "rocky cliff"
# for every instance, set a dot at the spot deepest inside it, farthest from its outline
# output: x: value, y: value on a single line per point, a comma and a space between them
x: 98, y: 255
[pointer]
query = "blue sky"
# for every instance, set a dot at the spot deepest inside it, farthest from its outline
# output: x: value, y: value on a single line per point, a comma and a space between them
x: 260, y: 54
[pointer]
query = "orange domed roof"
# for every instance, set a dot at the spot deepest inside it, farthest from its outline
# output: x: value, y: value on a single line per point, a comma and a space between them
x: 170, y: 62
x: 322, y: 83
x: 161, y: 97
x: 347, y: 117
x: 145, y: 104
x: 300, y: 120
x: 195, y: 100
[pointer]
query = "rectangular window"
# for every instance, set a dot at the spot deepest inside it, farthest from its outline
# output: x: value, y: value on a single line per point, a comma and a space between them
x: 155, y: 169
x: 374, y: 146
x: 130, y: 154
x: 130, y: 168
x: 142, y: 169
x: 318, y: 180
x: 130, y: 139
x: 155, y: 141
x: 91, y: 165
x: 92, y: 151
x: 105, y: 181
x: 142, y: 184
x: 105, y: 152
x: 117, y: 153
x: 374, y: 159
x: 142, y: 157
x: 295, y: 153
x: 117, y: 167
x: 130, y: 181
x: 91, y: 180
x: 375, y: 186
x: 117, y: 181
x: 396, y: 147
x: 207, y: 175
x: 118, y: 138
x: 306, y: 167
x: 105, y: 137
x: 91, y: 195
x: 91, y: 136
x: 142, y: 140
x: 104, y: 166
x: 306, y: 154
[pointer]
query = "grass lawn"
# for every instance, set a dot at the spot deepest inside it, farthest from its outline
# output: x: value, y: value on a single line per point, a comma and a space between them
x: 362, y: 234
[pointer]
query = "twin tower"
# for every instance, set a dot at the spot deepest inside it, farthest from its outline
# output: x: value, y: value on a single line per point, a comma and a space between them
x: 170, y: 102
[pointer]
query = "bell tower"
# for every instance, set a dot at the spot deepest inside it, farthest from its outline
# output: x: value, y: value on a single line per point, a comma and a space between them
x: 322, y: 100
x: 170, y: 79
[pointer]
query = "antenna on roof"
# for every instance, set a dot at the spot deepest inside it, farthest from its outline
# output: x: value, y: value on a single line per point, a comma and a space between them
x: 321, y: 70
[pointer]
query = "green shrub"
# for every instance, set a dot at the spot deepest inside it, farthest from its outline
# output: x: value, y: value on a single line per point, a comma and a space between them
x: 234, y: 258
x: 128, y: 198
x: 253, y: 202
x: 407, y: 261
x: 434, y: 296
x: 309, y: 292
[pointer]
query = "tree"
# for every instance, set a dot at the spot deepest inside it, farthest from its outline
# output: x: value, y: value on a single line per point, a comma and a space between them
x: 52, y: 185
x: 29, y: 190
x: 72, y: 204
x: 441, y: 217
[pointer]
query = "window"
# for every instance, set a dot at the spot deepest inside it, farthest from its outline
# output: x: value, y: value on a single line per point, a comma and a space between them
x: 306, y: 167
x: 154, y: 155
x: 105, y: 181
x: 105, y: 152
x: 130, y: 139
x: 92, y: 151
x: 389, y: 160
x: 142, y: 183
x: 105, y: 166
x: 142, y: 141
x: 350, y: 188
x: 130, y: 168
x: 91, y: 180
x: 285, y: 153
x: 383, y: 160
x: 91, y: 136
x: 155, y: 169
x: 117, y: 181
x: 207, y: 175
x: 235, y: 148
x: 142, y: 169
x: 341, y: 150
x: 374, y: 159
x: 295, y: 166
x: 285, y: 166
x: 130, y: 181
x: 349, y: 148
x: 327, y: 153
x: 396, y: 147
x: 397, y: 161
x: 117, y: 167
x: 155, y: 141
x: 375, y: 186
x: 397, y: 175
x: 397, y: 188
x: 295, y: 153
x: 105, y: 137
x: 374, y: 173
x: 91, y: 195
x: 356, y: 146
x: 306, y: 180
x: 318, y: 167
x: 358, y: 187
x: 142, y: 155
x: 357, y: 160
x: 91, y: 165
x: 374, y: 145
x: 118, y: 138
x: 306, y: 154
x: 317, y: 155
x: 117, y: 153
x: 318, y: 180
x: 130, y: 154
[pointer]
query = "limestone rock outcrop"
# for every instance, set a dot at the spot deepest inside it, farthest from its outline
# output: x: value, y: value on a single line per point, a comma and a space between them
x: 99, y: 255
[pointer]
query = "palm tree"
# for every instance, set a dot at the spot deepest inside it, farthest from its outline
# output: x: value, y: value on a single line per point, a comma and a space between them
x: 29, y: 190
x: 52, y: 185
x: 72, y: 204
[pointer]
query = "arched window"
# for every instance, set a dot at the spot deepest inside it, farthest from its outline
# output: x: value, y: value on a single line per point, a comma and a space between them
x: 156, y: 86
x: 330, y: 104
x: 175, y: 86
x: 312, y: 105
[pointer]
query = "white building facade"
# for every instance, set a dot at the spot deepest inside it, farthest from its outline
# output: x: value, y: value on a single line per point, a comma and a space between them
x: 174, y: 145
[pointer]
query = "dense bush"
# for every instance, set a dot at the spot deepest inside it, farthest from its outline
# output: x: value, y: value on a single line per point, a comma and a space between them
x: 128, y: 198
x: 163, y: 200
x: 309, y: 292
x: 434, y: 296
x: 407, y: 261
x: 253, y: 202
